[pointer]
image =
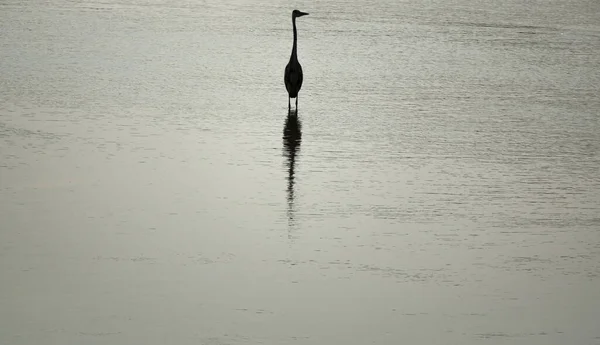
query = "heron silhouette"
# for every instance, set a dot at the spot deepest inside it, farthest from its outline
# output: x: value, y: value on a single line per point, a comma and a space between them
x: 293, y: 71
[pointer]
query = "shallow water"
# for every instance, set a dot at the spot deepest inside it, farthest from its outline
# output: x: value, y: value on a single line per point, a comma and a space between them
x: 439, y: 184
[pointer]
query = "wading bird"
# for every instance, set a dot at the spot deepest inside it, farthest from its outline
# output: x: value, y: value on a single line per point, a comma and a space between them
x: 293, y: 71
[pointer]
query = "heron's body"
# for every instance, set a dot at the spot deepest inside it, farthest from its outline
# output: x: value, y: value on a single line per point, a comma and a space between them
x: 293, y: 71
x: 293, y: 78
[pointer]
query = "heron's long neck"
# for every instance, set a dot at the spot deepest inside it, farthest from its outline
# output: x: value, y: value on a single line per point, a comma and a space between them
x: 294, y: 56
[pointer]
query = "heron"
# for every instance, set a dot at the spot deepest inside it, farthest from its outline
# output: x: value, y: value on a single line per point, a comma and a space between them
x: 293, y: 71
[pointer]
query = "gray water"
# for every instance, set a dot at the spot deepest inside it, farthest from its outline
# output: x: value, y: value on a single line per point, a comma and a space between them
x: 442, y: 186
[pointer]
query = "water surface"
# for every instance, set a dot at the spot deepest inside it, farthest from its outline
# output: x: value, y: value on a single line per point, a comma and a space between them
x: 439, y: 183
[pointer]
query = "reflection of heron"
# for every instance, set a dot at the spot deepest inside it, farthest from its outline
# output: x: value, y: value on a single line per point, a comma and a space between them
x: 293, y: 70
x: 292, y: 135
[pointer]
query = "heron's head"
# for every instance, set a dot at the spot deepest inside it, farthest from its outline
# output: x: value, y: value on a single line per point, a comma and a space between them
x: 296, y: 14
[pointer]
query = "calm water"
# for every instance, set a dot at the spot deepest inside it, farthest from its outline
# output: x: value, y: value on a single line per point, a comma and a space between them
x: 441, y: 186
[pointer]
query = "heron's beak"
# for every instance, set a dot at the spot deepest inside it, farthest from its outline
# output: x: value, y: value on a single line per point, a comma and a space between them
x: 302, y: 14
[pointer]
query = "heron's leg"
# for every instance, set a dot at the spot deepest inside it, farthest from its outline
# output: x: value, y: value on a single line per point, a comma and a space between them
x: 289, y: 105
x: 296, y: 103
